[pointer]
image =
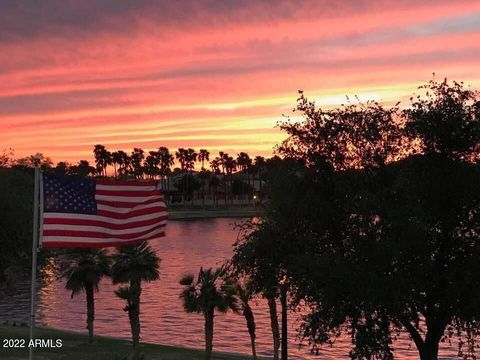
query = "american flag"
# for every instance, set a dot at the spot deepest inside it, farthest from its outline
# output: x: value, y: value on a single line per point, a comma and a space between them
x: 99, y: 213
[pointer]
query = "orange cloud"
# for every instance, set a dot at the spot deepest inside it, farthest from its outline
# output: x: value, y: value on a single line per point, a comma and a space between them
x: 219, y: 81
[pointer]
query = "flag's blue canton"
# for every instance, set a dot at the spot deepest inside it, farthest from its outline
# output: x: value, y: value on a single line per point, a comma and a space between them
x: 69, y: 195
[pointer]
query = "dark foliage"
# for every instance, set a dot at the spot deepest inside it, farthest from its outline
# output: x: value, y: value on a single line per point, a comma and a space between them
x: 374, y: 221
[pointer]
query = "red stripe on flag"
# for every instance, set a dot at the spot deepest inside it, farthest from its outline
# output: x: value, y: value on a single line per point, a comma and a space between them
x: 132, y: 213
x: 53, y: 244
x: 128, y: 193
x: 121, y: 204
x: 107, y: 225
x: 97, y: 234
x: 126, y: 183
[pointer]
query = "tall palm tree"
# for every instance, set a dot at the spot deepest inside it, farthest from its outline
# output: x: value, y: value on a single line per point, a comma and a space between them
x: 131, y: 265
x: 259, y: 163
x: 116, y: 160
x: 204, y: 177
x: 244, y: 162
x: 245, y: 293
x: 102, y: 159
x: 222, y: 157
x: 215, y: 165
x: 190, y: 165
x: 166, y: 162
x: 123, y: 161
x: 272, y: 307
x: 187, y: 158
x: 181, y: 155
x: 136, y: 161
x: 230, y: 167
x: 213, y: 183
x: 151, y: 164
x: 203, y: 155
x: 209, y: 292
x: 86, y: 268
x: 222, y: 160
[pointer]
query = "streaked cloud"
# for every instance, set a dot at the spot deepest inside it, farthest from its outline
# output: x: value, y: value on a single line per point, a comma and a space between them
x: 211, y: 74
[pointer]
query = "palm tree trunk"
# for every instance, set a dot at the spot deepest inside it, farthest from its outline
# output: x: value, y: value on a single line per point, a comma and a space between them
x: 204, y: 197
x: 209, y: 333
x: 272, y: 305
x: 248, y: 313
x: 283, y: 301
x: 249, y: 195
x: 89, y: 291
x: 225, y: 188
x: 134, y: 312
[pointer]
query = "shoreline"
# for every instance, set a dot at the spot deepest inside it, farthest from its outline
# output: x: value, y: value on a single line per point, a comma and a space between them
x: 75, y: 347
x: 190, y: 214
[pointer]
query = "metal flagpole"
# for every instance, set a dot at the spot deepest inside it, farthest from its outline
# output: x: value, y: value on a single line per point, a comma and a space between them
x: 36, y: 193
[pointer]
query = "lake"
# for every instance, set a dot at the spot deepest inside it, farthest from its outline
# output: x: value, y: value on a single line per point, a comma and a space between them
x: 187, y: 246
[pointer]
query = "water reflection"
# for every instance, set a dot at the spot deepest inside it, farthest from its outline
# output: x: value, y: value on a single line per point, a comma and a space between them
x: 188, y: 245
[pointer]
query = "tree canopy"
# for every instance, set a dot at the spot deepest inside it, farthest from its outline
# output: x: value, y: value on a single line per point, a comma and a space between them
x: 375, y: 219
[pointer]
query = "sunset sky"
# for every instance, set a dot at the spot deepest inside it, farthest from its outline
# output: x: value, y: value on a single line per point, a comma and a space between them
x: 211, y: 74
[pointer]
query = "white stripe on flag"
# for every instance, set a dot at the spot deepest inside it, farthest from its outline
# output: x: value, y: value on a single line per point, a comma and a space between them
x: 103, y: 218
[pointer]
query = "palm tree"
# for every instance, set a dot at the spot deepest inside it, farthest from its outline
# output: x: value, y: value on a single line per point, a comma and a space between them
x: 230, y: 167
x: 136, y: 161
x: 215, y: 165
x: 259, y: 167
x: 244, y: 163
x: 245, y: 293
x: 204, y: 177
x: 116, y: 160
x: 103, y: 158
x: 203, y: 155
x: 209, y: 292
x: 187, y: 158
x: 87, y: 267
x: 97, y: 152
x: 190, y: 165
x: 222, y: 160
x: 181, y: 155
x: 272, y: 307
x: 166, y: 162
x: 151, y: 163
x: 213, y: 183
x: 131, y: 265
x: 124, y: 165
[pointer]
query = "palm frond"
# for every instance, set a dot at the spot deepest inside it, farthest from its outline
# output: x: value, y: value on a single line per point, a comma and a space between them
x: 85, y: 266
x: 211, y: 290
x: 135, y: 262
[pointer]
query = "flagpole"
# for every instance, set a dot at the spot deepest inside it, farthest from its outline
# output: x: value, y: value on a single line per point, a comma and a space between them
x: 36, y: 193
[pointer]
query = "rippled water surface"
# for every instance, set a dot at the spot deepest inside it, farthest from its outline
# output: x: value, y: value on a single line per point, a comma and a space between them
x: 188, y: 245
